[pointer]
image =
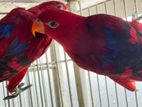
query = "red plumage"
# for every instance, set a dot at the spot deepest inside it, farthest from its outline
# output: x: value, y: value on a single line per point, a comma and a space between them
x: 101, y: 43
x: 18, y: 47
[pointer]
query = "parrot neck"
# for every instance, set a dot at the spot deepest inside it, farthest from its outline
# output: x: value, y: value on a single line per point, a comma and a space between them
x: 70, y: 36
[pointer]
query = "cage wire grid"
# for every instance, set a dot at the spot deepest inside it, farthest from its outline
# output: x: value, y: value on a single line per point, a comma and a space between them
x: 58, y: 82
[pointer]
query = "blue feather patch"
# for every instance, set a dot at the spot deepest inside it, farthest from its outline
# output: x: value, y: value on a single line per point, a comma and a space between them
x: 111, y: 44
x: 5, y: 30
x: 17, y: 47
x: 23, y: 59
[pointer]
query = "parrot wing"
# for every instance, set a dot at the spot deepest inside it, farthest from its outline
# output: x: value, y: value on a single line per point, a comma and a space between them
x: 8, y: 61
x: 11, y: 43
x: 121, y: 42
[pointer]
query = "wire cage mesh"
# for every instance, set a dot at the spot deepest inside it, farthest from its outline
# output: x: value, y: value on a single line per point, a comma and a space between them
x: 58, y: 82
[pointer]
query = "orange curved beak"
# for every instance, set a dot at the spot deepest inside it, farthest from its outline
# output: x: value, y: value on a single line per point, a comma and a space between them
x: 37, y: 26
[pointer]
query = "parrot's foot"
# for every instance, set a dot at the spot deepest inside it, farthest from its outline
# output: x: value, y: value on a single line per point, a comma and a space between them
x: 17, y: 91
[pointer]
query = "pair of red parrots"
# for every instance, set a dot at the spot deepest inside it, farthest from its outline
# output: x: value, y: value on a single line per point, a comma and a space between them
x: 100, y: 43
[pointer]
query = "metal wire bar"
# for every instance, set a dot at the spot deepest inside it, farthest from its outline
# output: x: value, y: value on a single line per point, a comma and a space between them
x: 79, y: 86
x: 89, y: 76
x: 99, y: 91
x: 117, y: 99
x: 58, y: 76
x: 36, y: 90
x: 27, y: 2
x: 39, y: 84
x: 135, y: 6
x: 114, y: 7
x: 42, y: 85
x: 50, y: 64
x: 30, y: 94
x: 8, y: 94
x: 4, y: 93
x: 94, y: 5
x: 137, y: 105
x: 13, y: 102
x: 125, y: 9
x: 126, y: 98
x: 49, y: 78
x: 68, y: 79
x: 20, y: 100
x: 107, y: 91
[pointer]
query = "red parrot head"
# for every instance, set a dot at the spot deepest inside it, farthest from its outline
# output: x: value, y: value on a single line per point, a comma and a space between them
x: 57, y: 24
x: 41, y: 7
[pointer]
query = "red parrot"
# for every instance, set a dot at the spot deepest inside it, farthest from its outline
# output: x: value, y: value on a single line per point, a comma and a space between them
x: 104, y: 44
x: 41, y: 7
x: 19, y: 47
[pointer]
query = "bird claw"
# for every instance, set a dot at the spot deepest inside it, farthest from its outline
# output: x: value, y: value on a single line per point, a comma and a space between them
x: 17, y: 91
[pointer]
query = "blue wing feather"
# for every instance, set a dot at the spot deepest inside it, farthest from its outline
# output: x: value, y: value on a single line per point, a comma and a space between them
x: 16, y: 47
x: 5, y: 30
x: 111, y: 45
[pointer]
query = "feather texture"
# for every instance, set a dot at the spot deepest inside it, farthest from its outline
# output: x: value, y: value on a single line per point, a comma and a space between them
x: 17, y: 47
x: 5, y: 30
x: 101, y: 43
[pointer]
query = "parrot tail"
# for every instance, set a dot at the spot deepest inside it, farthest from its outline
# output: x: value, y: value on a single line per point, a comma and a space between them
x: 125, y: 82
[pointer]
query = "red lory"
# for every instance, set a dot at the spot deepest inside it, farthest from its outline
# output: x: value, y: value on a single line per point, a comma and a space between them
x: 101, y: 43
x: 19, y: 47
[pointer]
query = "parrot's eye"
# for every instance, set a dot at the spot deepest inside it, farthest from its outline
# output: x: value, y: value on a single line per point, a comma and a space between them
x: 53, y: 24
x: 59, y: 6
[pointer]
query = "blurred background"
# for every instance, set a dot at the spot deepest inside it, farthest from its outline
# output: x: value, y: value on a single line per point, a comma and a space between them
x: 57, y: 81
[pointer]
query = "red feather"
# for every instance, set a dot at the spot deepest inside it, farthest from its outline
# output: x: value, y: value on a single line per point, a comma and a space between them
x: 101, y: 43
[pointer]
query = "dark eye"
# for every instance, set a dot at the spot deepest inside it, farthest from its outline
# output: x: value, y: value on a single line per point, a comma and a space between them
x: 53, y: 24
x: 59, y: 6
